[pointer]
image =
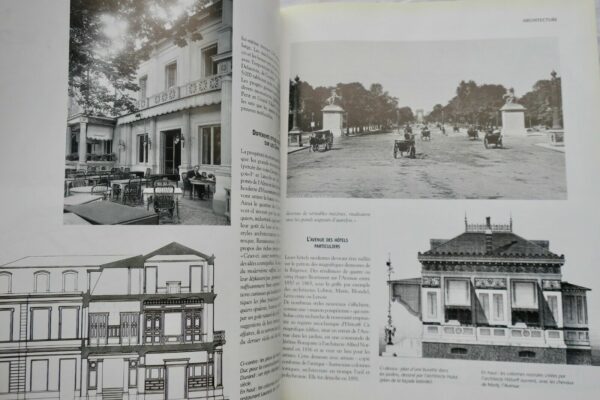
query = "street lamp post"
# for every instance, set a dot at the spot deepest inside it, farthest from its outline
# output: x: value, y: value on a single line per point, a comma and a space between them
x: 555, y: 101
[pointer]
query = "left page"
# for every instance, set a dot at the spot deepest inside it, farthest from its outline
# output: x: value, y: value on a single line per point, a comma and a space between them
x: 121, y: 256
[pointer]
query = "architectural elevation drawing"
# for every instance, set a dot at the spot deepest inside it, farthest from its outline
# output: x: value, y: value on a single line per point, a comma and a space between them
x: 490, y: 294
x: 110, y: 327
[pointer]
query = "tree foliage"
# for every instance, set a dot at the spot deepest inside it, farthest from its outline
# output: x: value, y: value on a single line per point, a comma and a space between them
x: 365, y: 108
x: 102, y: 74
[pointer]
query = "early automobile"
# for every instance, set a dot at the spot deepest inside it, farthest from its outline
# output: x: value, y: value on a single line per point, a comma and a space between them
x: 425, y: 134
x: 405, y: 146
x: 493, y: 137
x: 455, y: 129
x: 473, y: 133
x: 321, y: 140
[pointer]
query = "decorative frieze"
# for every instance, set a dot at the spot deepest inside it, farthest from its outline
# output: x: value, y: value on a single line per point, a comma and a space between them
x: 430, y: 281
x: 490, y: 283
x: 537, y: 269
x: 551, y: 284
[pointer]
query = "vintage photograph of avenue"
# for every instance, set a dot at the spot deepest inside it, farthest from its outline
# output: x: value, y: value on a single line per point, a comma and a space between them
x: 148, y: 138
x: 479, y: 119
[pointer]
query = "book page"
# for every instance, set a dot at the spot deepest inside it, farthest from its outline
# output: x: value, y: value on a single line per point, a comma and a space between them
x: 439, y: 220
x: 140, y: 242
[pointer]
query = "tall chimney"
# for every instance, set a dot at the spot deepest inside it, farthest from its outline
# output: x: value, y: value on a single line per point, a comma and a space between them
x: 488, y: 235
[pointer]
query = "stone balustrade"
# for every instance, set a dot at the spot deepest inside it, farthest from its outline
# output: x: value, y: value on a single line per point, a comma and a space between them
x: 204, y: 85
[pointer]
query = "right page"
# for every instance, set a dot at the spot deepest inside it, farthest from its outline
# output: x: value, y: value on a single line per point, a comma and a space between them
x: 440, y: 226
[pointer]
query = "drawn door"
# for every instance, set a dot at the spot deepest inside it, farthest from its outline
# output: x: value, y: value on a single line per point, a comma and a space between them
x: 176, y: 382
x: 67, y: 378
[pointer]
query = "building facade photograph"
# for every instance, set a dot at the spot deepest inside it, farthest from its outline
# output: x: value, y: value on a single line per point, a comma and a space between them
x: 490, y: 294
x: 180, y: 115
x: 111, y: 327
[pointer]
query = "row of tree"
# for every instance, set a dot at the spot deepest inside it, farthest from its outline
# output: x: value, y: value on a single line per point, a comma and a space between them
x: 366, y: 109
x: 480, y: 104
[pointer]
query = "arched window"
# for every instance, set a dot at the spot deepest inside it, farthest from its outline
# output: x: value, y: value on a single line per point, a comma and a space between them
x: 458, y: 350
x: 42, y: 281
x: 5, y: 282
x: 70, y: 281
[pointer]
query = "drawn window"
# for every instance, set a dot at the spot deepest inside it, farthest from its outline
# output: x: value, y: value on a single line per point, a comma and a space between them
x: 40, y: 324
x: 69, y: 323
x: 39, y: 375
x: 4, y: 376
x: 69, y: 281
x: 171, y: 75
x: 524, y: 295
x: 92, y: 374
x: 6, y: 320
x: 457, y: 292
x: 173, y: 287
x: 42, y: 281
x: 5, y: 282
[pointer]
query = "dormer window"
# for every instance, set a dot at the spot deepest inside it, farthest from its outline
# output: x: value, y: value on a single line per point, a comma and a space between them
x: 41, y: 281
x: 69, y: 281
x: 524, y: 295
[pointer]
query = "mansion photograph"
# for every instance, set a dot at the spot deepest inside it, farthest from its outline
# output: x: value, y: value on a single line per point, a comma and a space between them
x: 148, y: 135
x: 489, y: 294
x: 111, y: 327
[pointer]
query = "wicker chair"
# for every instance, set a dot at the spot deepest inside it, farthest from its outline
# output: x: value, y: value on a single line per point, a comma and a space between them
x: 163, y: 201
x: 103, y: 190
x: 132, y: 192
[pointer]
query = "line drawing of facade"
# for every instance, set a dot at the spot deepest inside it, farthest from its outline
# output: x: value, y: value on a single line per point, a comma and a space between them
x: 183, y: 115
x: 489, y: 294
x: 110, y: 327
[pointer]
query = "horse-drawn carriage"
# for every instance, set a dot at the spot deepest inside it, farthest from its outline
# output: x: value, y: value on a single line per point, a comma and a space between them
x: 473, y: 133
x: 455, y: 129
x: 405, y: 146
x: 425, y: 133
x: 321, y: 140
x: 493, y: 137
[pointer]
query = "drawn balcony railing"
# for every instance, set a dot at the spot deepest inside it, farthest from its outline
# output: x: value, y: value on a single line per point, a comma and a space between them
x: 219, y: 338
x: 494, y: 335
x: 154, y: 385
x: 200, y: 382
x: 204, y: 85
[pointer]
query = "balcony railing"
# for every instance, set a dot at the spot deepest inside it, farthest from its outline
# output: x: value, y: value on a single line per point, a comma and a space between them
x: 577, y: 338
x: 494, y: 335
x: 219, y: 338
x: 204, y: 85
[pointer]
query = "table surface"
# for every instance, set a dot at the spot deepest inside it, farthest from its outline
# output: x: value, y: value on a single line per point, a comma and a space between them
x: 150, y: 190
x: 73, y: 219
x: 81, y: 198
x: 85, y: 189
x: 202, y: 181
x: 109, y: 213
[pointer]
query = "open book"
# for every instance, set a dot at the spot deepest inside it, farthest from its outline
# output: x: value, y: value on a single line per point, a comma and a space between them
x: 337, y: 200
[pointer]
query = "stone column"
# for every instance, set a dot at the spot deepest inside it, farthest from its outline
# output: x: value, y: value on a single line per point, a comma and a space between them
x: 68, y: 141
x: 186, y: 146
x: 153, y: 146
x: 128, y: 146
x: 226, y: 85
x: 82, y: 142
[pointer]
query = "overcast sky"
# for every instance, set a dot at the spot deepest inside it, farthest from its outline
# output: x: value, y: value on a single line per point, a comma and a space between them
x: 422, y: 74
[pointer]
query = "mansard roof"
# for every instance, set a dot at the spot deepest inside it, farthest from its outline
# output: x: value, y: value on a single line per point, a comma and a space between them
x: 566, y: 286
x: 501, y: 245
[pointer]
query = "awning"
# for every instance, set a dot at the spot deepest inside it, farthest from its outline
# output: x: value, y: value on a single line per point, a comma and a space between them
x: 100, y: 132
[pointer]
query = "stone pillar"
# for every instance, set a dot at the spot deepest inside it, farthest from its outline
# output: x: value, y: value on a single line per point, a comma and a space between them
x: 226, y: 121
x: 333, y: 117
x: 82, y: 143
x: 513, y: 119
x: 128, y: 145
x: 152, y: 158
x: 68, y: 141
x: 186, y: 145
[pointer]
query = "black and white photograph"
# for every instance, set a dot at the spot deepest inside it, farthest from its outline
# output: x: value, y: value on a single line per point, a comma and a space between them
x: 148, y: 137
x: 489, y: 293
x: 471, y: 119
